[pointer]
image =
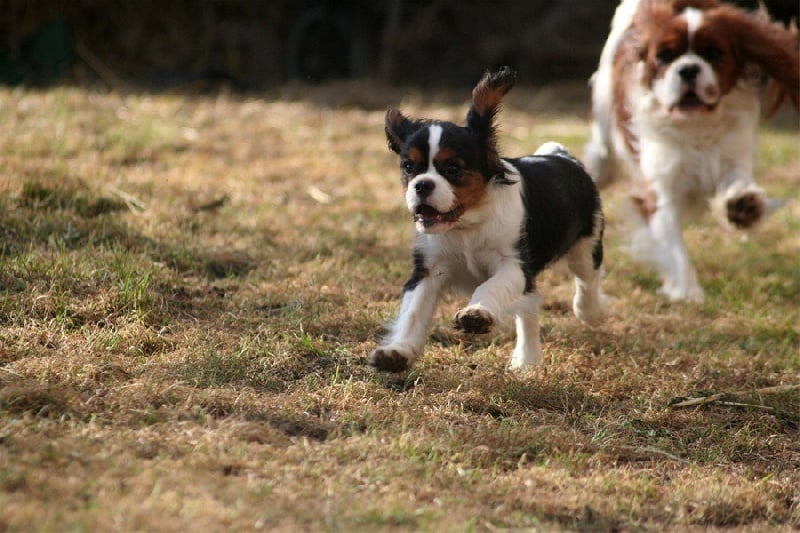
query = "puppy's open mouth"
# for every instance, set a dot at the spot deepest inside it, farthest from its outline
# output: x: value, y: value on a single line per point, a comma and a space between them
x: 691, y: 102
x: 428, y: 216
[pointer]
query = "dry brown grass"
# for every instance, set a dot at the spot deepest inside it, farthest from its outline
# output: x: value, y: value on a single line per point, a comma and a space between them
x: 190, y: 286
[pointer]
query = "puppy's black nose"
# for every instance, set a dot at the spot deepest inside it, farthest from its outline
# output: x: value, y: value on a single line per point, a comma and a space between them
x: 424, y: 188
x: 689, y: 72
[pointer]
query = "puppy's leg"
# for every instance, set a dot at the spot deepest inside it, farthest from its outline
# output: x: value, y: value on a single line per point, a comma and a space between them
x: 406, y: 339
x: 585, y: 260
x: 680, y: 278
x: 494, y: 297
x: 528, y: 350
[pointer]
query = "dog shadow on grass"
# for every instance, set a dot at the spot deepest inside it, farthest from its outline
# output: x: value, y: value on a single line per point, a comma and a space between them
x: 70, y: 263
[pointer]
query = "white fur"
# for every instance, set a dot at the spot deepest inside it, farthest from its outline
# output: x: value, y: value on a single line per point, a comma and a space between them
x: 690, y: 162
x: 694, y: 19
x: 597, y: 157
x: 479, y: 256
x: 671, y: 88
x: 443, y: 197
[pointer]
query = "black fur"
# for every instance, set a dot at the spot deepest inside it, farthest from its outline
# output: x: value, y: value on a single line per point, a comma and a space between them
x: 419, y: 273
x: 561, y: 208
x: 562, y: 205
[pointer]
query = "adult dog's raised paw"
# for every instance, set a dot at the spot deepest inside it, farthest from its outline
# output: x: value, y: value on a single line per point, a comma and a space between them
x: 745, y: 209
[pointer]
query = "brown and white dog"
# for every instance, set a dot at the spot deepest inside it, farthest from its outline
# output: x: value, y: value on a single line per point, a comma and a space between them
x: 675, y: 104
x: 488, y: 225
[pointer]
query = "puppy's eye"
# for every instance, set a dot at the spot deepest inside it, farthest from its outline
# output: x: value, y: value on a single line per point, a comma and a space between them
x: 665, y: 55
x: 712, y: 54
x: 407, y: 166
x: 452, y: 171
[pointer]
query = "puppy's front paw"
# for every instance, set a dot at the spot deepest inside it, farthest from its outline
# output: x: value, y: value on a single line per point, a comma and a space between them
x: 525, y: 358
x: 473, y: 319
x: 391, y: 358
x: 590, y: 310
x: 745, y: 209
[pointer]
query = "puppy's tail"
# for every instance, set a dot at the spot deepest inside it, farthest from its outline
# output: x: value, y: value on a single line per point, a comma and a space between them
x: 553, y: 148
x: 557, y: 149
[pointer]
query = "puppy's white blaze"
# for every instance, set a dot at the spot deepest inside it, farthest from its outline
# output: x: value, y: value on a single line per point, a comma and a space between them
x: 694, y: 19
x: 443, y: 197
x: 434, y: 139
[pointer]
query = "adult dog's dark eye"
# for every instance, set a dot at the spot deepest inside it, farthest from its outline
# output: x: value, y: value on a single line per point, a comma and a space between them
x: 665, y: 55
x: 712, y: 54
x: 452, y: 171
x: 407, y: 165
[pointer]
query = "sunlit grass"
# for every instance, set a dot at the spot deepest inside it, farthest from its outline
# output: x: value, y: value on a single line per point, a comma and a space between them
x: 189, y: 288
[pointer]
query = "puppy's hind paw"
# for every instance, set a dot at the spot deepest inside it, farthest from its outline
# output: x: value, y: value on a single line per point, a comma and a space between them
x: 473, y: 319
x: 592, y: 313
x: 391, y: 358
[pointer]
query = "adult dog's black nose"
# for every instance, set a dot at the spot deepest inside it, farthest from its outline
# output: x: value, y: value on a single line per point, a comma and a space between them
x: 424, y: 188
x: 689, y: 72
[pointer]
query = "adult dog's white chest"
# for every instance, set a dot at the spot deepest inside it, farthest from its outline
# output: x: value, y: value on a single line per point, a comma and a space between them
x: 701, y: 154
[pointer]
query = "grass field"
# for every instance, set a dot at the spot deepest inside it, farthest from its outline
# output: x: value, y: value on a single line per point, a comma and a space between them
x: 190, y: 286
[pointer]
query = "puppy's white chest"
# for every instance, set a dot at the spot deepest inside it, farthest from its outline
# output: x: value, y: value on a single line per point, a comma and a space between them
x: 470, y: 260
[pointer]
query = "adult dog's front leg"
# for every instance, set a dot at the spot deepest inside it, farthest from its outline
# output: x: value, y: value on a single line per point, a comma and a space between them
x: 743, y: 205
x: 406, y: 339
x: 680, y: 278
x: 499, y: 294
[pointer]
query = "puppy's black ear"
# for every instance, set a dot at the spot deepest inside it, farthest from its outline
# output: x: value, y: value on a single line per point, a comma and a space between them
x: 486, y: 98
x: 398, y: 127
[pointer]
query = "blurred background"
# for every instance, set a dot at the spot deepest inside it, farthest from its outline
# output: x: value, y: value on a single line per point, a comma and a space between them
x: 251, y: 45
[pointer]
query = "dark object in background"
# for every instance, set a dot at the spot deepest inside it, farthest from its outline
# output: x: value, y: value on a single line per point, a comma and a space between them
x: 44, y: 56
x: 252, y: 44
x: 325, y: 42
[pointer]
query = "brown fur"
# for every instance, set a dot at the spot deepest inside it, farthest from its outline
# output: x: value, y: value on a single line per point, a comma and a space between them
x: 646, y: 203
x: 486, y: 98
x: 768, y: 44
x: 471, y: 192
x: 744, y: 39
x: 396, y: 123
x: 773, y: 47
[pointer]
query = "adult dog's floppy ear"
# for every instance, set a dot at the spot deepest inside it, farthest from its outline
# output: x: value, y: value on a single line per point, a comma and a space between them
x: 486, y: 98
x: 775, y: 48
x: 398, y: 127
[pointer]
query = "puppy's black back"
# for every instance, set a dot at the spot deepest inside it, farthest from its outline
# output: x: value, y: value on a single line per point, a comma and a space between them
x: 562, y: 206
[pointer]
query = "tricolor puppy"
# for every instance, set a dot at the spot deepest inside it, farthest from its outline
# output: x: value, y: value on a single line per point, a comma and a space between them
x: 676, y: 106
x: 488, y: 225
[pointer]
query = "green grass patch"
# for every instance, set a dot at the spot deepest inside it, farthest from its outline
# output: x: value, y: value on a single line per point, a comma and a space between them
x: 190, y: 287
